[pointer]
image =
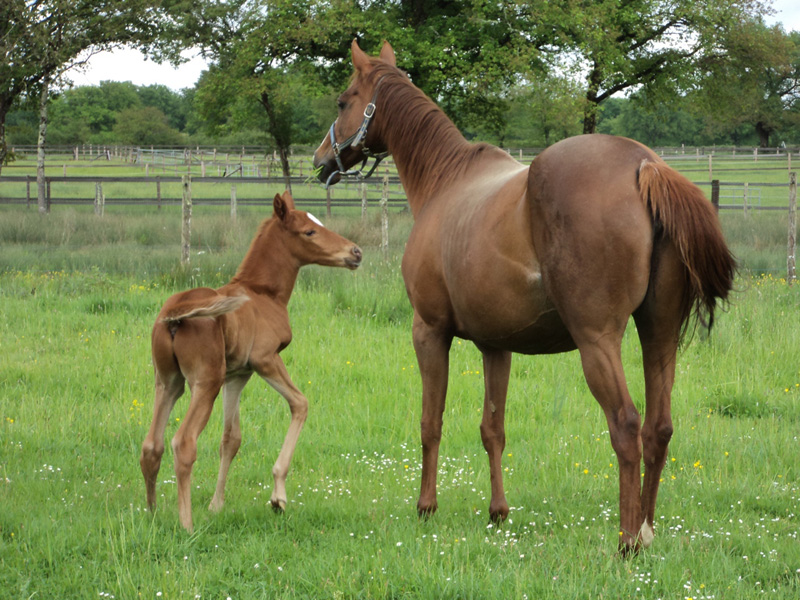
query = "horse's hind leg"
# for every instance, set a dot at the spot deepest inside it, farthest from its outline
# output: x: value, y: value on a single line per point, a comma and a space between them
x: 658, y: 322
x: 231, y: 435
x: 602, y: 367
x: 167, y: 392
x: 184, y: 444
x: 496, y: 367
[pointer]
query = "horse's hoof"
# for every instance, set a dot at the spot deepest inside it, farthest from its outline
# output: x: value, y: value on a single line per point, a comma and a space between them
x: 498, y: 515
x: 279, y: 506
x: 646, y: 535
x: 425, y: 511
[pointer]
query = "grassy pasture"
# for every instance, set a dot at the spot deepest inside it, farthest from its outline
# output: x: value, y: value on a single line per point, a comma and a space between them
x: 77, y: 298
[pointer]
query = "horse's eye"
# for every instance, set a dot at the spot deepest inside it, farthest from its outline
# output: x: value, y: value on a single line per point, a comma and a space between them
x: 310, y: 232
x: 340, y: 104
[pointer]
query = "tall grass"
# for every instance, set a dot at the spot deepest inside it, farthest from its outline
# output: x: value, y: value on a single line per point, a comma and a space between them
x: 75, y: 396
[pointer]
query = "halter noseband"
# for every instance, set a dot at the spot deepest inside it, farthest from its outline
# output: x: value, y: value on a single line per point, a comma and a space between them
x: 354, y: 140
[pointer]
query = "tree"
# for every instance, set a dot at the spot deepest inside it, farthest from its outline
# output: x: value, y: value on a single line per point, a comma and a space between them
x: 466, y: 55
x: 260, y: 49
x: 653, y: 44
x: 756, y: 81
x: 146, y: 126
x: 41, y: 39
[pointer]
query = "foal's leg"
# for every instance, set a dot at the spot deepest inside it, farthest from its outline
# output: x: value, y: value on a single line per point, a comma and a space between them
x: 274, y: 372
x: 231, y: 435
x: 496, y: 367
x: 167, y: 392
x: 432, y: 350
x: 184, y: 444
x: 602, y: 367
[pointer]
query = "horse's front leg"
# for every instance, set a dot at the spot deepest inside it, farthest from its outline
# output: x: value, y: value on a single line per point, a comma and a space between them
x: 274, y: 372
x: 432, y: 348
x: 496, y: 369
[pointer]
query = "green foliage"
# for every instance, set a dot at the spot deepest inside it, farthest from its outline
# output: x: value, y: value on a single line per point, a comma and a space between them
x: 755, y: 82
x: 145, y: 126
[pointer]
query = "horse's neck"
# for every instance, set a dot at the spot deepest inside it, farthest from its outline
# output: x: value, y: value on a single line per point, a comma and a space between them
x: 424, y: 145
x: 268, y: 267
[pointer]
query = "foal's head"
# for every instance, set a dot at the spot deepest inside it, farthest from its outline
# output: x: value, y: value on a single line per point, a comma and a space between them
x: 355, y: 135
x: 309, y: 241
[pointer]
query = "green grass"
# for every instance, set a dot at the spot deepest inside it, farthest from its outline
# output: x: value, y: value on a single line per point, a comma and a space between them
x: 77, y: 299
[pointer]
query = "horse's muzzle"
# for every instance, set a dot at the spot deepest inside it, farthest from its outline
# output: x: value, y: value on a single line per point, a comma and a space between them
x: 354, y: 260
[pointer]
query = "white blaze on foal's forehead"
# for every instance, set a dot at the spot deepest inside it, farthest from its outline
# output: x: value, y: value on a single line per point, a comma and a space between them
x: 315, y: 219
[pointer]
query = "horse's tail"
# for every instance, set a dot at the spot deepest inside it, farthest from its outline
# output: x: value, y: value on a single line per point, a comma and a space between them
x: 688, y: 219
x: 194, y: 309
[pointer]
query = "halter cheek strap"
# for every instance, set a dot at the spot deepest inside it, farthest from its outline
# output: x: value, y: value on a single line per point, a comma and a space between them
x: 355, y: 140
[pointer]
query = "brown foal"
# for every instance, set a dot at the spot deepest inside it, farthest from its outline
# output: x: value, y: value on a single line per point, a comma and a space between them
x: 216, y: 339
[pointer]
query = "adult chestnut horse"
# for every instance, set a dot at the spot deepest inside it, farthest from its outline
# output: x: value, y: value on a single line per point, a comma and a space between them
x: 216, y: 339
x: 541, y: 259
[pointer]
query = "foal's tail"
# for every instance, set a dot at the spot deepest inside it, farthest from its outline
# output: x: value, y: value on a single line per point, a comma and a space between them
x: 194, y: 309
x: 689, y: 220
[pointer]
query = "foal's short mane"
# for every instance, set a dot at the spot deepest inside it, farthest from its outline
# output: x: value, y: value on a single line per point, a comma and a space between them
x: 439, y: 153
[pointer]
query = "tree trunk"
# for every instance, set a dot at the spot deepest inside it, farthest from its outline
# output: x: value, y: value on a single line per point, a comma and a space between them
x: 3, y: 146
x: 279, y: 135
x: 763, y: 130
x: 592, y: 104
x: 40, y: 183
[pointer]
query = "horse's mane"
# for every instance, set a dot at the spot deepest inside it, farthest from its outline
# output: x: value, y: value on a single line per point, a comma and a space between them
x: 440, y: 152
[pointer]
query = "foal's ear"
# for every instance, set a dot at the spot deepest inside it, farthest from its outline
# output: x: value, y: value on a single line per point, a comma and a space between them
x: 387, y: 54
x: 360, y: 58
x: 282, y: 205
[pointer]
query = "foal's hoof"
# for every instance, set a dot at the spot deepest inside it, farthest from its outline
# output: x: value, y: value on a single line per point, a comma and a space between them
x: 279, y: 506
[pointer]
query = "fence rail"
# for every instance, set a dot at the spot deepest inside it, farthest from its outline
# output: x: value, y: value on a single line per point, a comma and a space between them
x: 165, y: 191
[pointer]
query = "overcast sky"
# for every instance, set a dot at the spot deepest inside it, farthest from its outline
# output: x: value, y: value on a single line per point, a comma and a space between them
x: 130, y: 65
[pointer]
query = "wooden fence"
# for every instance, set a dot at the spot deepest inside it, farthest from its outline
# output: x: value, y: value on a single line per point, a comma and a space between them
x: 161, y: 191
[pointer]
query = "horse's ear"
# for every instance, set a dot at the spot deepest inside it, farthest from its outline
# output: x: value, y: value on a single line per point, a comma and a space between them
x: 282, y: 205
x: 360, y: 59
x: 387, y: 54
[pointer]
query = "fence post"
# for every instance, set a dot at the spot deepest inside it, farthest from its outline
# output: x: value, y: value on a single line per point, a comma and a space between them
x: 328, y: 202
x: 186, y: 229
x: 28, y: 191
x: 710, y: 167
x: 715, y: 194
x: 791, y: 274
x: 98, y: 194
x: 789, y: 161
x: 385, y: 218
x: 363, y: 200
x: 744, y: 198
x: 158, y: 191
x: 233, y: 202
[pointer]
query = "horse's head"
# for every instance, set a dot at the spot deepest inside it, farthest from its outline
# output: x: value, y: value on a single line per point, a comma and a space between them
x: 309, y: 241
x: 355, y: 135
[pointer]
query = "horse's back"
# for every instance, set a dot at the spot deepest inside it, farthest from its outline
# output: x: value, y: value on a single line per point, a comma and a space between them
x: 592, y: 232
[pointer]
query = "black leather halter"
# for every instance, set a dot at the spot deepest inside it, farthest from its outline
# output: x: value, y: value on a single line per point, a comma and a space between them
x: 355, y: 140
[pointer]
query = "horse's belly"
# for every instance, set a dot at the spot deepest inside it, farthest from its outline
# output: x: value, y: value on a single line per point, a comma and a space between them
x: 510, y: 311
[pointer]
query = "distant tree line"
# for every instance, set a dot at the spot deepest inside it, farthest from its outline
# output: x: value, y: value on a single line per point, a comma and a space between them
x: 516, y: 73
